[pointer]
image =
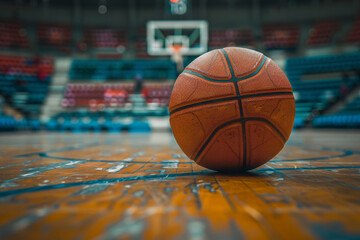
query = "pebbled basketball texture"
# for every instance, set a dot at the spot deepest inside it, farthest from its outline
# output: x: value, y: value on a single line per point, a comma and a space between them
x: 232, y: 109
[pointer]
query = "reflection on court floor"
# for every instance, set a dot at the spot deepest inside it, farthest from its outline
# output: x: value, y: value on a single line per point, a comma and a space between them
x: 143, y: 186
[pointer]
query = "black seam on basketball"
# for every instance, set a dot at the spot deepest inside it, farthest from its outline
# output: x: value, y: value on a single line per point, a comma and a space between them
x: 233, y: 78
x: 239, y: 103
x: 239, y: 99
x: 240, y: 120
x: 229, y: 99
x: 244, y: 145
x: 229, y: 64
x: 235, y: 83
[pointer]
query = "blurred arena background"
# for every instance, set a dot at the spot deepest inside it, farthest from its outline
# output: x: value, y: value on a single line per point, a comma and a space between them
x: 89, y: 66
x: 72, y: 73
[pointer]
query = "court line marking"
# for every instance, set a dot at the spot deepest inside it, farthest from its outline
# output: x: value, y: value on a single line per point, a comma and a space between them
x: 45, y: 155
x: 147, y: 177
x: 322, y: 148
x: 306, y: 168
x: 345, y: 154
x: 99, y: 181
x: 107, y: 161
x: 72, y: 148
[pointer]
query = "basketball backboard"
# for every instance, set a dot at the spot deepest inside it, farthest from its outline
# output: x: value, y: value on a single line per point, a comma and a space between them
x: 192, y: 36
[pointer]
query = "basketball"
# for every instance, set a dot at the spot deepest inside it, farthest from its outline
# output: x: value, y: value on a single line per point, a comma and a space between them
x: 232, y: 109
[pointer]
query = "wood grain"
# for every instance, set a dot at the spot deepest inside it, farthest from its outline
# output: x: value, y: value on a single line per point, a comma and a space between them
x: 110, y: 186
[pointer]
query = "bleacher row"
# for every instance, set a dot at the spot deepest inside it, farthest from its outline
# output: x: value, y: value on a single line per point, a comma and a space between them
x: 105, y: 38
x: 337, y: 121
x: 13, y: 35
x: 281, y: 37
x: 314, y: 96
x: 91, y: 95
x: 69, y: 122
x: 9, y: 123
x: 323, y: 32
x: 348, y: 117
x: 231, y: 37
x: 113, y: 95
x: 90, y: 121
x: 275, y: 36
x: 122, y: 69
x: 24, y: 82
x: 59, y: 36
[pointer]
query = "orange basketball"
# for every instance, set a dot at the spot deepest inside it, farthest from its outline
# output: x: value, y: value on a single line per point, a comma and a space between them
x: 232, y: 109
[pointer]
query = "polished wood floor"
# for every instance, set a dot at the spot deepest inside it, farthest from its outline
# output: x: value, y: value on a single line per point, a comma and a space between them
x: 110, y: 186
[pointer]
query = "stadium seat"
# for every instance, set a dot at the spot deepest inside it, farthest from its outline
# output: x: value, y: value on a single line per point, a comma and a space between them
x: 230, y: 37
x: 58, y: 36
x: 105, y: 38
x: 315, y: 95
x: 157, y: 93
x: 95, y: 95
x: 122, y: 69
x: 347, y: 117
x: 139, y: 126
x: 24, y: 81
x: 322, y: 32
x: 280, y: 36
x: 354, y: 34
x: 13, y: 35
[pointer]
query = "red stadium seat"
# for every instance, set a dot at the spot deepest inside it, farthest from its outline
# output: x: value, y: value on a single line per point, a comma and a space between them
x: 140, y: 45
x: 13, y: 35
x: 105, y: 38
x: 354, y: 34
x: 322, y: 33
x: 230, y: 37
x: 157, y: 93
x: 280, y: 36
x: 55, y: 35
x: 92, y: 95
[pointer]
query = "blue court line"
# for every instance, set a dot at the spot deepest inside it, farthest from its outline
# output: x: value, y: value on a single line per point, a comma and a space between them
x: 107, y: 161
x: 305, y: 168
x: 45, y: 155
x: 312, y: 148
x: 147, y: 177
x: 233, y: 79
x: 56, y: 150
x: 345, y: 154
x: 99, y: 181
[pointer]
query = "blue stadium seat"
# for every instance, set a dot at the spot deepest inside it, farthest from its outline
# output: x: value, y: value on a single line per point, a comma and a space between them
x: 122, y: 69
x: 316, y: 95
x: 139, y: 126
x: 348, y: 117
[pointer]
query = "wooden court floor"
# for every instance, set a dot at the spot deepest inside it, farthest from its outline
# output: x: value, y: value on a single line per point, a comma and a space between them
x: 133, y: 186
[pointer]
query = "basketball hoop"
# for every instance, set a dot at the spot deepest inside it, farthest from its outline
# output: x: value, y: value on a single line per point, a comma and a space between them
x: 191, y: 35
x: 177, y: 57
x: 177, y: 47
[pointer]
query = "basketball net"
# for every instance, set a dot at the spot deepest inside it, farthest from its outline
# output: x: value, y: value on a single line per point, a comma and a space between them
x: 177, y: 57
